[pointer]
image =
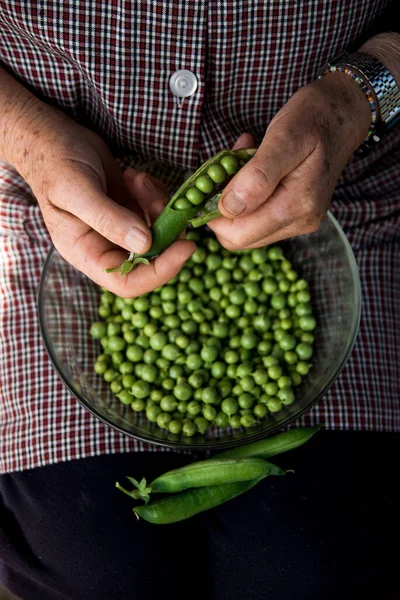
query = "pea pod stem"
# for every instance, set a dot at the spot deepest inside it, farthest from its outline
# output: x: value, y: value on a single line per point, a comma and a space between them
x: 277, y: 444
x: 172, y: 222
x: 192, y: 502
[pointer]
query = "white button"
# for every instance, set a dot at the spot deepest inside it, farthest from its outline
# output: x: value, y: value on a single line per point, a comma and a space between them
x: 183, y: 83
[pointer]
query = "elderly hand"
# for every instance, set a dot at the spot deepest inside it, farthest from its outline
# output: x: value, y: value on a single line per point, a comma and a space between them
x: 90, y: 208
x: 285, y: 190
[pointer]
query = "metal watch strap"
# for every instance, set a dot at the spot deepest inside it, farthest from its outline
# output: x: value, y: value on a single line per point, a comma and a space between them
x: 382, y: 83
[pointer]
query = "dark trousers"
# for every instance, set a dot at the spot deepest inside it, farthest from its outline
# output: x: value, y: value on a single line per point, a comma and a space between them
x: 328, y: 531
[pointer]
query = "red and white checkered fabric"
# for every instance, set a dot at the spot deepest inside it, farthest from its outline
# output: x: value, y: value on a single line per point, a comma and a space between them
x: 108, y: 64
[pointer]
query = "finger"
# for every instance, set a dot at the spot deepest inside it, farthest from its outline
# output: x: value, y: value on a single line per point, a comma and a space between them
x: 148, y: 192
x: 278, y: 155
x: 90, y: 253
x: 297, y: 206
x: 79, y: 193
x: 245, y: 140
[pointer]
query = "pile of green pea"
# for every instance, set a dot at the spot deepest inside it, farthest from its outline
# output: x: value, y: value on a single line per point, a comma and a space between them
x: 205, y: 183
x: 224, y: 343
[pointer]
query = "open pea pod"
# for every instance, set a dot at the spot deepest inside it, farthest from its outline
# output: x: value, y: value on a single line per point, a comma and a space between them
x: 198, y: 195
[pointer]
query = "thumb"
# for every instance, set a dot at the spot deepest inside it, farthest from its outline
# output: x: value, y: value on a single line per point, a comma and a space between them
x: 80, y: 192
x: 244, y: 141
x: 278, y: 155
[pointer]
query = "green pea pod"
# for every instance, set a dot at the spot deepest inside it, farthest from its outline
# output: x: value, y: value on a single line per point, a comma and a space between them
x: 187, y: 504
x: 213, y: 472
x: 208, y: 213
x: 277, y: 444
x: 171, y: 222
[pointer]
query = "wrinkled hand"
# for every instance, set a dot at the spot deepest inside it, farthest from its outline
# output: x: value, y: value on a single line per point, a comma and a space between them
x: 285, y: 190
x: 90, y: 208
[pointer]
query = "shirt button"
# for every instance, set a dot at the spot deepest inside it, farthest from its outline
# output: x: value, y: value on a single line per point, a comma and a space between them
x: 183, y: 83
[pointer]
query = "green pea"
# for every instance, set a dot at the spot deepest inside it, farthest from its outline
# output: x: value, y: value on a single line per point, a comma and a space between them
x: 116, y: 343
x: 221, y: 420
x: 115, y: 386
x: 204, y: 184
x: 209, y: 412
x: 274, y: 405
x: 302, y: 367
x: 307, y: 323
x: 194, y: 362
x: 303, y: 310
x: 307, y: 338
x: 249, y: 341
x: 218, y: 369
x: 231, y: 371
x: 141, y: 304
x: 142, y: 341
x: 234, y: 422
x: 98, y: 330
x: 140, y: 389
x: 230, y: 164
x: 238, y: 274
x: 100, y: 367
x: 107, y: 297
x: 139, y: 320
x: 220, y: 330
x: 275, y: 371
x: 260, y: 377
x: 194, y: 408
x: 195, y: 196
x: 287, y: 341
x: 286, y: 396
x: 232, y: 311
x: 237, y: 296
x: 284, y: 381
x: 210, y: 395
x: 246, y: 400
x: 189, y: 429
x: 217, y: 173
x: 182, y: 204
x: 128, y: 380
x: 168, y: 384
x: 113, y: 329
x: 183, y: 391
x: 247, y: 420
x: 260, y: 411
x: 125, y: 397
x: 163, y: 419
x: 109, y: 375
x: 269, y: 286
x: 138, y: 405
x: 229, y: 406
x: 247, y: 383
x: 152, y: 412
x: 189, y: 327
x: 149, y: 373
x: 202, y: 424
x: 156, y: 395
x: 168, y: 404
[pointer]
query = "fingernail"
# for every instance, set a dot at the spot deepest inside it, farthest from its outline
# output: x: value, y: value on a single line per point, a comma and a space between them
x: 148, y: 184
x: 233, y: 203
x: 135, y: 240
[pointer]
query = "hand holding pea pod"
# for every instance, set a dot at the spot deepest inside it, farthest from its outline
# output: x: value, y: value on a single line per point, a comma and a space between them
x: 198, y: 194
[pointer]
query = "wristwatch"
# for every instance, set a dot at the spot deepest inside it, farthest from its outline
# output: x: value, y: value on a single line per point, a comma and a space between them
x: 378, y: 80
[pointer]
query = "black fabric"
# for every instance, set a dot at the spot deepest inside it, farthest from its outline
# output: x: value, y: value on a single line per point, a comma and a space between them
x: 328, y: 531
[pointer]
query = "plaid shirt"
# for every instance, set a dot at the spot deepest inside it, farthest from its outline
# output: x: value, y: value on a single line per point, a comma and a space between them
x: 108, y: 64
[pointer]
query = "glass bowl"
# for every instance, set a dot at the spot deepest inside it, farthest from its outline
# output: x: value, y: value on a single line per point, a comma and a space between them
x: 68, y: 303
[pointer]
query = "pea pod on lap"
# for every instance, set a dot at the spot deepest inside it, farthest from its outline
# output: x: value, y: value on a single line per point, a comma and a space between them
x: 192, y: 502
x: 188, y: 201
x: 213, y: 472
x: 277, y: 444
